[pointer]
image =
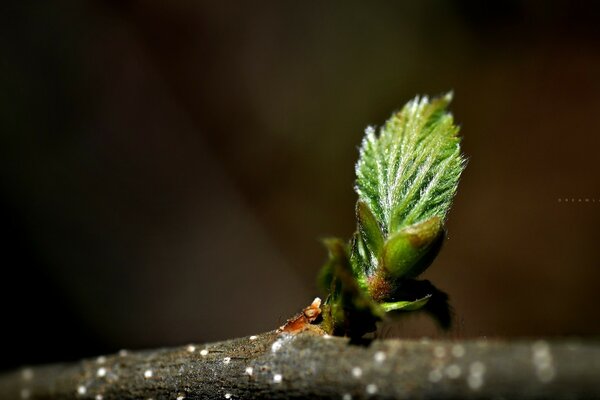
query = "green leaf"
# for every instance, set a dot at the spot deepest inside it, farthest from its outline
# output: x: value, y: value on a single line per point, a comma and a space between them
x: 369, y: 230
x: 337, y: 257
x: 347, y: 300
x: 405, y: 305
x: 409, y: 171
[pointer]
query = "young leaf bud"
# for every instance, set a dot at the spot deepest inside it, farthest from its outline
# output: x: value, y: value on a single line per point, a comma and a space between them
x: 410, y: 251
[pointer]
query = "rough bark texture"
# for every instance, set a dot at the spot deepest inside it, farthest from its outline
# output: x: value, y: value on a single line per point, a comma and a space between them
x: 288, y: 366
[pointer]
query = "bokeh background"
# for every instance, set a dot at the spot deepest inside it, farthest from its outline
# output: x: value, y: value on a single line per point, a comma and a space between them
x: 167, y: 168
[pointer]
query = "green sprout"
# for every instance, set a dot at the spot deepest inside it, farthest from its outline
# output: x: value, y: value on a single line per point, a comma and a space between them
x: 406, y: 178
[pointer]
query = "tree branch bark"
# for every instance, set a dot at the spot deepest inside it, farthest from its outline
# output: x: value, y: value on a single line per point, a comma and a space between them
x: 285, y: 366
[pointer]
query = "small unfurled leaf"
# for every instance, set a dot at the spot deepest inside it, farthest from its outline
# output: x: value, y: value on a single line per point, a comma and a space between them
x: 347, y: 300
x: 405, y: 305
x: 369, y: 230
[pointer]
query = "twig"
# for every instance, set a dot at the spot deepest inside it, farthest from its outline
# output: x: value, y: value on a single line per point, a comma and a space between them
x: 284, y: 366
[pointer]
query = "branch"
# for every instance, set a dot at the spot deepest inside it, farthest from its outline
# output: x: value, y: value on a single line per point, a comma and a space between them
x: 288, y: 366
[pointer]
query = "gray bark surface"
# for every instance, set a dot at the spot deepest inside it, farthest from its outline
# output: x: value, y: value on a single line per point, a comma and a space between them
x: 288, y: 366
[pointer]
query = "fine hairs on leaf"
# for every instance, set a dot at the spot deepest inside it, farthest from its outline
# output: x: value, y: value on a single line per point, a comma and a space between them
x: 409, y: 171
x: 406, y: 178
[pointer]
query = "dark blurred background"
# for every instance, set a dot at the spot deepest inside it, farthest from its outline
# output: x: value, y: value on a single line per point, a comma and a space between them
x: 167, y: 167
